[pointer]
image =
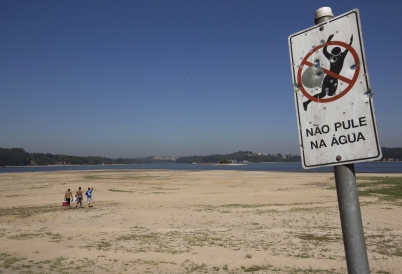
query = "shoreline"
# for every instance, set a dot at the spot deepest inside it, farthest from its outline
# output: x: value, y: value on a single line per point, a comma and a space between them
x: 368, y: 167
x: 172, y: 221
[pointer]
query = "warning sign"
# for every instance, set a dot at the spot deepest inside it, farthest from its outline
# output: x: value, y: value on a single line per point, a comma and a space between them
x: 330, y: 83
x: 333, y: 98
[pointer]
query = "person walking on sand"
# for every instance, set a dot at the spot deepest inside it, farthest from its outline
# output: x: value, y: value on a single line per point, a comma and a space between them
x: 68, y: 196
x: 78, y: 195
x: 88, y: 193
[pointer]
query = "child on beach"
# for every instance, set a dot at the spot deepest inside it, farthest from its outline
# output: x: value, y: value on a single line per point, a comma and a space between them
x: 88, y: 193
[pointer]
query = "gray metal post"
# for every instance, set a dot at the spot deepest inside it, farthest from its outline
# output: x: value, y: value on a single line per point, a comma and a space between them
x: 348, y: 201
x: 351, y: 220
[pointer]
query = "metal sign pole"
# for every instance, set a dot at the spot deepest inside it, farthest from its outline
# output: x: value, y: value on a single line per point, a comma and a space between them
x: 351, y: 220
x: 348, y: 201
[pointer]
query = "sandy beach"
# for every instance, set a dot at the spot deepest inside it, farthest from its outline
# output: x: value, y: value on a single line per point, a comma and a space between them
x: 162, y: 221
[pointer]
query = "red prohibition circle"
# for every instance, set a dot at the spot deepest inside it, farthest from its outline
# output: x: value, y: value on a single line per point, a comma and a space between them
x: 350, y: 82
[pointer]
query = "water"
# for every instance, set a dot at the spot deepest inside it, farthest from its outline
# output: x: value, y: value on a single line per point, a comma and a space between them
x: 369, y: 167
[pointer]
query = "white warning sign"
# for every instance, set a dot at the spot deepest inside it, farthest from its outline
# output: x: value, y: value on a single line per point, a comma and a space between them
x: 333, y: 98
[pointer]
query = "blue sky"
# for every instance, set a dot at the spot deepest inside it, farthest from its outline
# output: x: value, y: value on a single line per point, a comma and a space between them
x: 141, y: 78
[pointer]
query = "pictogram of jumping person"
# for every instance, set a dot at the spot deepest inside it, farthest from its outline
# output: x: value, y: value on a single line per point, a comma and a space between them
x: 336, y: 59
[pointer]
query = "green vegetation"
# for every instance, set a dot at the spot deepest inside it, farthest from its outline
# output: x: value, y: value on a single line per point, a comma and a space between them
x: 241, y: 156
x: 118, y: 190
x: 54, y: 237
x: 26, y: 236
x: 14, y: 157
x: 319, y: 238
x: 254, y: 268
x: 225, y: 162
x: 192, y: 266
x: 391, y: 154
x: 9, y: 259
x: 103, y: 245
x: 19, y: 157
x: 26, y: 211
x: 386, y: 188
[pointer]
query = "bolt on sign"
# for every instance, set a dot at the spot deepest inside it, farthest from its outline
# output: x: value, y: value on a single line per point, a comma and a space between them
x: 334, y: 104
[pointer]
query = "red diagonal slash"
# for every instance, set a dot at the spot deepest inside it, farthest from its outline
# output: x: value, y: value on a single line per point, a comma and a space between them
x: 351, y: 82
x: 330, y: 73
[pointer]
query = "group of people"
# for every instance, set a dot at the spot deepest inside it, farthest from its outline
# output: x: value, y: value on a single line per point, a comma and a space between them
x: 68, y: 197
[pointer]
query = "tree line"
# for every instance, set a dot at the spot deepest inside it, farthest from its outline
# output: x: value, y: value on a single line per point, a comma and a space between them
x: 391, y: 154
x: 241, y: 156
x: 19, y: 157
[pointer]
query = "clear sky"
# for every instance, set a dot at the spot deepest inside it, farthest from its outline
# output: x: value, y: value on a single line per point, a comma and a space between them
x: 141, y: 78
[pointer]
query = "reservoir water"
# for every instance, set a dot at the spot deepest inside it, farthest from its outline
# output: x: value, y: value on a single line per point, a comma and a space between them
x: 368, y: 167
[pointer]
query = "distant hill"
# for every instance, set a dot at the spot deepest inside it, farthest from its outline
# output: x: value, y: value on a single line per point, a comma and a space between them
x: 19, y: 157
x: 241, y: 156
x: 389, y: 154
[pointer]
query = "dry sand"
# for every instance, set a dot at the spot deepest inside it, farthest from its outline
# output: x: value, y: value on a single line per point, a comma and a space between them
x: 187, y: 222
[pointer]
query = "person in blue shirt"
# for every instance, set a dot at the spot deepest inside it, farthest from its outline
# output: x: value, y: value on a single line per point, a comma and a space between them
x: 88, y: 193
